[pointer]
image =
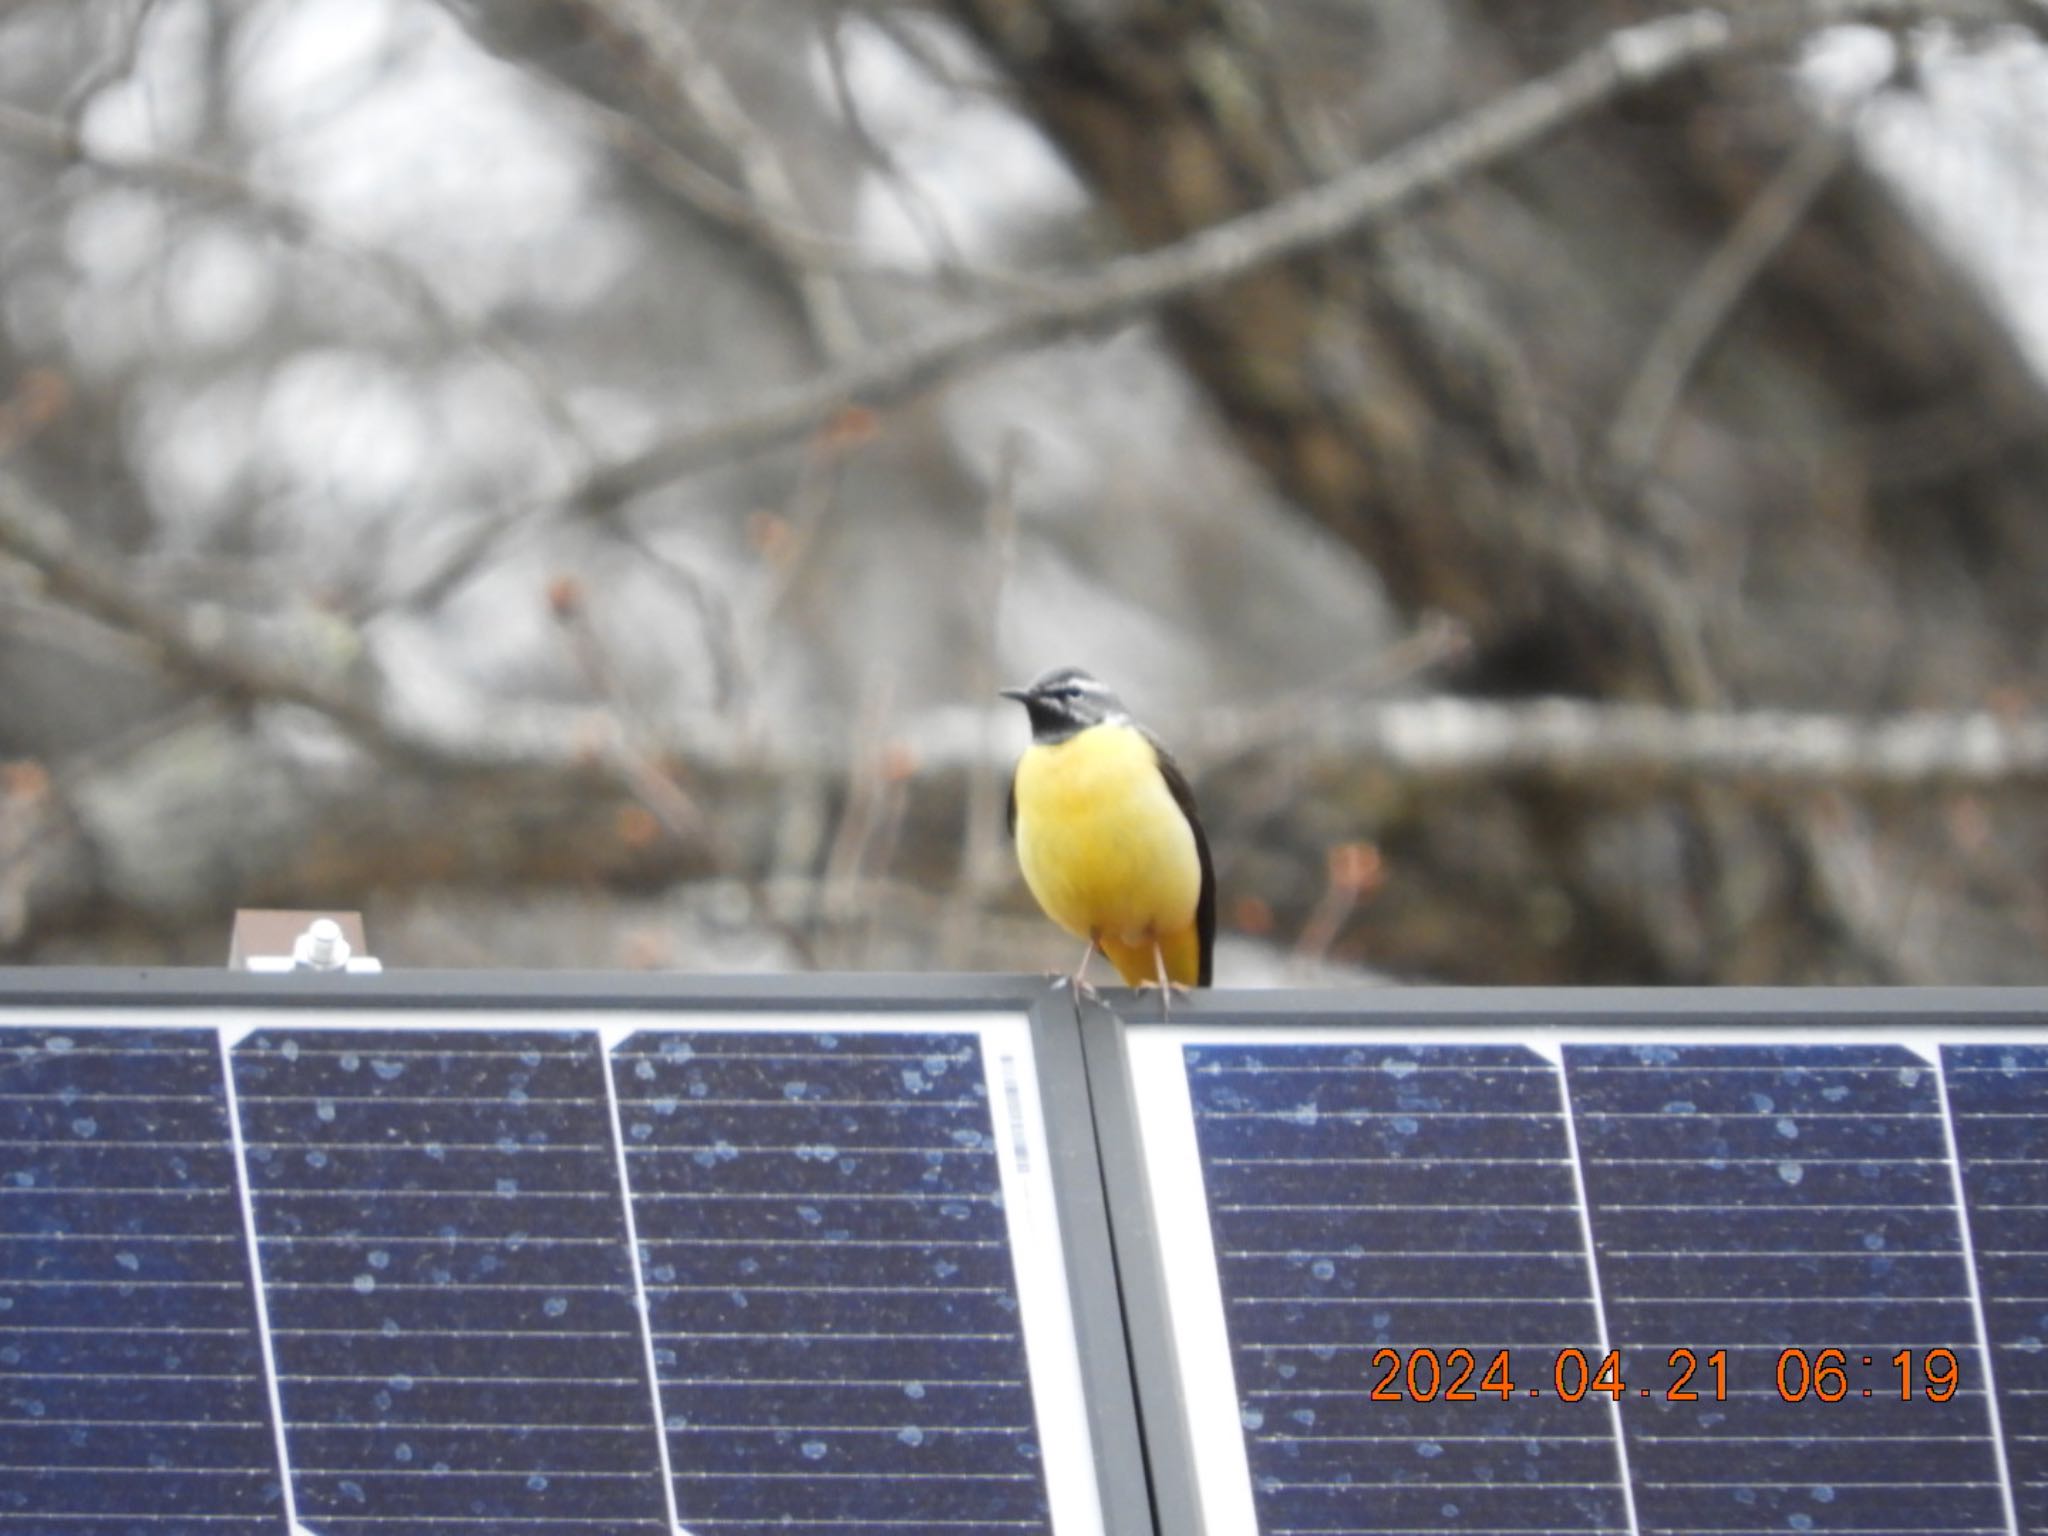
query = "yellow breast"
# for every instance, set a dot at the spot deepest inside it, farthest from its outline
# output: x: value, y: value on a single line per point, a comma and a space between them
x: 1103, y: 845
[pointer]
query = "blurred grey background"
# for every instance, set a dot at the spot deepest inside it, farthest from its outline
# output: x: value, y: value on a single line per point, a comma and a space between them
x: 464, y: 460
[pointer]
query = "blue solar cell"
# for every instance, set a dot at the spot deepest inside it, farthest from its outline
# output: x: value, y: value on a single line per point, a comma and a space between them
x: 451, y: 1297
x: 132, y: 1394
x: 1402, y: 1198
x: 827, y: 1265
x: 1998, y: 1103
x: 1761, y: 1199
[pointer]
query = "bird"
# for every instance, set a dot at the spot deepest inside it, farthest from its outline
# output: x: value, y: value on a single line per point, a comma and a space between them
x: 1108, y: 837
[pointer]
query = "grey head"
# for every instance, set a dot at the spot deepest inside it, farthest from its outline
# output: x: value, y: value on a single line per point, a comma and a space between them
x: 1065, y: 702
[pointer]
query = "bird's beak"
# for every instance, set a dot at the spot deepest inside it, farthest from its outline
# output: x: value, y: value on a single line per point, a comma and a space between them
x: 1021, y: 695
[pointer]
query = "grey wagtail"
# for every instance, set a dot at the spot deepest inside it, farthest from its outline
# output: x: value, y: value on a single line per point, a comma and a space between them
x: 1106, y: 831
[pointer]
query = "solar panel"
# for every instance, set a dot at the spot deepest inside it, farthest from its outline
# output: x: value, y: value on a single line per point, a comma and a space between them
x: 514, y: 1272
x: 132, y: 1390
x: 453, y: 1318
x: 1447, y: 1272
x: 1998, y: 1104
x: 389, y: 1256
x: 833, y: 1302
x: 1396, y: 1203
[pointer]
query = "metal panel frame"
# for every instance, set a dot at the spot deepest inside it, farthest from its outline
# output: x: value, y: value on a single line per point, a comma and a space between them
x: 872, y: 992
x: 183, y: 987
x: 1490, y: 1009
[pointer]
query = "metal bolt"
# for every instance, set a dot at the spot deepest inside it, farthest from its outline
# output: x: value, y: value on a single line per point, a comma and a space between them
x: 321, y: 947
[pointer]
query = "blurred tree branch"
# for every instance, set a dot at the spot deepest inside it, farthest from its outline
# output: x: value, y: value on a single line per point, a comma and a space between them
x: 62, y: 143
x: 201, y: 645
x: 1630, y: 59
x: 683, y: 98
x: 1643, y: 419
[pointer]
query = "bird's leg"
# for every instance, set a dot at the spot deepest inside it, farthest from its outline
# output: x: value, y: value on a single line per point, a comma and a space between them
x: 1167, y: 985
x: 1080, y: 976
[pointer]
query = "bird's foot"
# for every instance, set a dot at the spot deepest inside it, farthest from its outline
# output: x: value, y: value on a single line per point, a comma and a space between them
x: 1082, y: 987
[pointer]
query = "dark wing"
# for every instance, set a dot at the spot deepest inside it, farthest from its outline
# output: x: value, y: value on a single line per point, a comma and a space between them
x: 1205, y: 905
x: 1010, y: 810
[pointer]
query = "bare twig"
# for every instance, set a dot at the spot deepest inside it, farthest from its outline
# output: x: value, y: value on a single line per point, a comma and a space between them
x: 117, y: 64
x: 982, y: 865
x: 1628, y: 60
x: 660, y: 52
x: 729, y: 207
x: 1352, y: 873
x: 704, y: 596
x: 1712, y: 297
x: 1437, y: 641
x: 196, y: 642
x: 759, y: 165
x: 916, y: 204
x: 643, y: 774
x: 863, y: 810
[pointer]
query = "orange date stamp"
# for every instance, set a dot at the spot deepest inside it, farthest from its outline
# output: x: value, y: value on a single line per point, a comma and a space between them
x: 1829, y: 1375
